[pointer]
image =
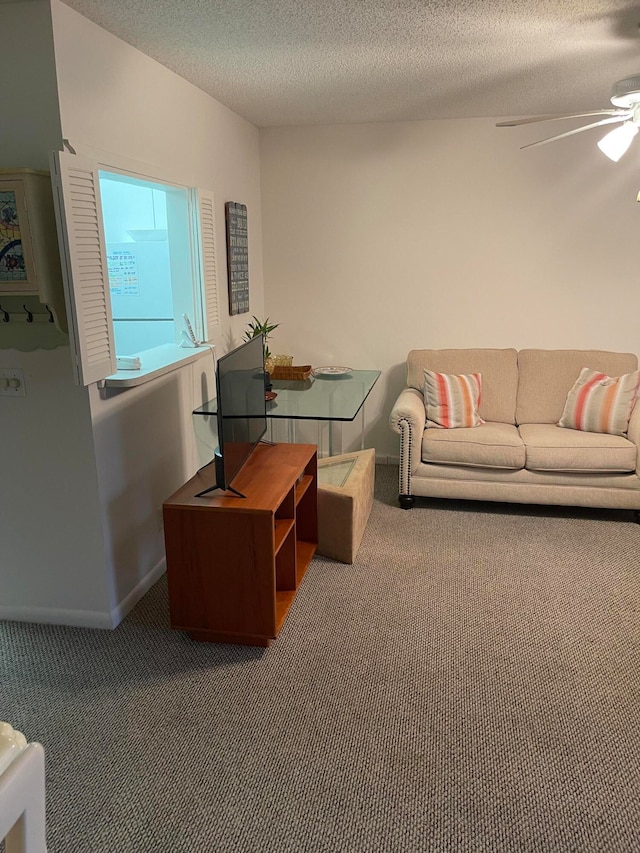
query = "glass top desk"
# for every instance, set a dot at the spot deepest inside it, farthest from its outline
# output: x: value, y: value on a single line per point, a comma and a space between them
x: 331, y: 400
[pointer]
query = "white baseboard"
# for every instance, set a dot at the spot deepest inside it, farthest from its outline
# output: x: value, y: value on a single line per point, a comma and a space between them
x: 387, y: 460
x: 128, y: 602
x: 57, y: 616
x: 86, y: 618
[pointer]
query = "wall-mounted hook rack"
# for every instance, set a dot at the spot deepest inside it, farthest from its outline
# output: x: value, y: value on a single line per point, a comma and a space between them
x: 26, y: 316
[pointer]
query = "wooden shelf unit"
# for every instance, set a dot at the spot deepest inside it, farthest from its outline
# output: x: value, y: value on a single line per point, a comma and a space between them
x: 234, y: 564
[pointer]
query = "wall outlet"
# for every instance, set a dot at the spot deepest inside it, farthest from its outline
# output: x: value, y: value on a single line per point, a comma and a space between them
x: 12, y: 382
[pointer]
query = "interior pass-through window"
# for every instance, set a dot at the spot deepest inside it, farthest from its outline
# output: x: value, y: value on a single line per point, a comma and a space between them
x: 138, y: 259
x: 148, y: 242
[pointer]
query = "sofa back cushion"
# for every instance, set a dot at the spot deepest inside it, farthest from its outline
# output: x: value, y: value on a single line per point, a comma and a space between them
x: 547, y: 376
x: 499, y: 369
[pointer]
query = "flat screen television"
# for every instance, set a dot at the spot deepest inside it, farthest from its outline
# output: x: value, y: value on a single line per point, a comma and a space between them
x: 241, y: 410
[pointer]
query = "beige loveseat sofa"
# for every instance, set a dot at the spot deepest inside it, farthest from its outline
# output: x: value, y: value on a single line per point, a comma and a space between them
x: 519, y: 454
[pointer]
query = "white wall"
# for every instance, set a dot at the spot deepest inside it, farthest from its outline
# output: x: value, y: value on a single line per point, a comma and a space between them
x: 119, y: 103
x: 85, y: 472
x: 386, y: 237
x: 52, y: 565
x: 144, y: 439
x: 28, y: 97
x: 116, y: 100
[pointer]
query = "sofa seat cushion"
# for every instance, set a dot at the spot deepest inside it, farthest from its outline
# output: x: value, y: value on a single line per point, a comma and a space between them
x: 550, y: 447
x: 490, y: 445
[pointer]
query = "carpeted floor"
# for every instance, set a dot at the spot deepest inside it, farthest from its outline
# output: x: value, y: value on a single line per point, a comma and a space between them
x: 469, y: 684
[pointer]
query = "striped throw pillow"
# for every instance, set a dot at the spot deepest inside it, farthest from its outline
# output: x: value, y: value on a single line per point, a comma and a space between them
x: 601, y: 403
x: 452, y: 400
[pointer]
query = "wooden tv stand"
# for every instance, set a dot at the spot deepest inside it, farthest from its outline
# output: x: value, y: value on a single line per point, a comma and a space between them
x: 234, y: 564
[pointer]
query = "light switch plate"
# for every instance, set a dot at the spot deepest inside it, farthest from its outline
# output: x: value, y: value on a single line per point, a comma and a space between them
x: 12, y: 382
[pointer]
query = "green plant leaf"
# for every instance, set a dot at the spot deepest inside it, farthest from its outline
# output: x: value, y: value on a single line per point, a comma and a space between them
x: 260, y: 327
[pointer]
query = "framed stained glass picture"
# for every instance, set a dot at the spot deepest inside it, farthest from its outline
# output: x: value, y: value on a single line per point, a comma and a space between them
x: 12, y: 262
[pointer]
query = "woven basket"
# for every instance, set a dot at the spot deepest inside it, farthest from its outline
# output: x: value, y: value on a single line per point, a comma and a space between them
x: 296, y: 372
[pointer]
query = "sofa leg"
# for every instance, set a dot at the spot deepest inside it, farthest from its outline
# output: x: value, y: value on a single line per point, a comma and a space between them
x: 636, y: 516
x: 406, y: 501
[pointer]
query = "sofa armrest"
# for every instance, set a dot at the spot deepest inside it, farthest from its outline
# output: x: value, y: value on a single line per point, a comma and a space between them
x: 633, y: 433
x: 408, y: 418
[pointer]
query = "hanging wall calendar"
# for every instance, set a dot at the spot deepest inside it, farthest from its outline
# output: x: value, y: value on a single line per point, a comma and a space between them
x: 237, y: 257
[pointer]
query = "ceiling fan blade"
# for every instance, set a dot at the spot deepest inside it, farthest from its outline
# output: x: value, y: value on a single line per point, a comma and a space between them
x: 518, y: 121
x: 572, y: 132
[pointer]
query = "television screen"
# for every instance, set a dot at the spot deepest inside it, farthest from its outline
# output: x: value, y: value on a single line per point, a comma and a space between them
x: 241, y: 407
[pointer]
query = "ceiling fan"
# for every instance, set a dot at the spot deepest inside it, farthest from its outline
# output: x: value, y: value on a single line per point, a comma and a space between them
x: 625, y: 98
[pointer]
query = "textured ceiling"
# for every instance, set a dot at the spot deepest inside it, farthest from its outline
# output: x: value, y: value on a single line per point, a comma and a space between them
x: 290, y: 62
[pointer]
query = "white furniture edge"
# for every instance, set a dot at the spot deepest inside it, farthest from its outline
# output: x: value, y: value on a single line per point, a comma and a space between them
x: 22, y: 793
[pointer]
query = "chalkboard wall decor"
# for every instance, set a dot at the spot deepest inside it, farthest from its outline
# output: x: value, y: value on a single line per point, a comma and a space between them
x: 237, y: 257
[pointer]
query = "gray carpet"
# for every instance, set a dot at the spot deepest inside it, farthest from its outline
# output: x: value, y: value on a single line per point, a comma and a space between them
x: 469, y: 684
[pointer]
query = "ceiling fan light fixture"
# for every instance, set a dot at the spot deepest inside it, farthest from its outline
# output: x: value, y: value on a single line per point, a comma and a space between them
x: 617, y: 141
x: 625, y: 111
x: 626, y: 93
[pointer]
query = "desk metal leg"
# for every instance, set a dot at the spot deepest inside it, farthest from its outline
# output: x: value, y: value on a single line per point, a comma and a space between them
x: 324, y: 439
x: 335, y: 435
x: 335, y: 438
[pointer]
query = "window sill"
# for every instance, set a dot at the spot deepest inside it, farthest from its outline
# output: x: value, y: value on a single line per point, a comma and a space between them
x: 155, y: 362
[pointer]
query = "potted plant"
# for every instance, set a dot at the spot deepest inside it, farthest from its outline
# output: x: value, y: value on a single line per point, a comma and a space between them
x: 263, y: 327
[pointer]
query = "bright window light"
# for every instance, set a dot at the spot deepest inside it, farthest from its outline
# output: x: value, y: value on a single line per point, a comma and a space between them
x: 148, y: 239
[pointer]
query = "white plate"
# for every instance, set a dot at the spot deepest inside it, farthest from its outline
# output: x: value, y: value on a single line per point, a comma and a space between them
x: 331, y: 371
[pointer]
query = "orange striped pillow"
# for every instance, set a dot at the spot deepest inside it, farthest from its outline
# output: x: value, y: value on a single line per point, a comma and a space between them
x: 452, y: 400
x: 601, y: 403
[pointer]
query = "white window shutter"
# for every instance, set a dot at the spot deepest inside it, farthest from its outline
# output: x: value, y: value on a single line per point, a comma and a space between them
x: 208, y: 263
x: 84, y: 264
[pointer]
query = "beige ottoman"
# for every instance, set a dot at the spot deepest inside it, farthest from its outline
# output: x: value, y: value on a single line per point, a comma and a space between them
x: 345, y: 498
